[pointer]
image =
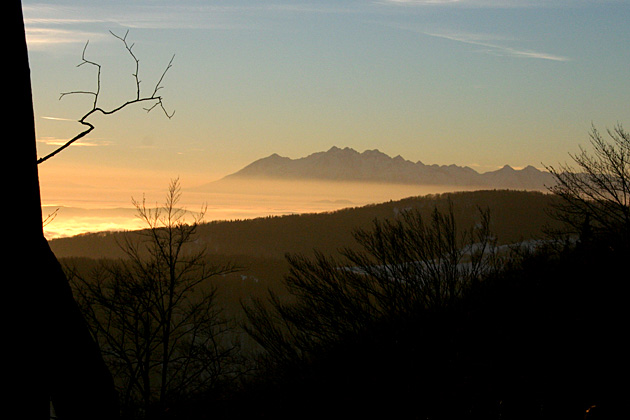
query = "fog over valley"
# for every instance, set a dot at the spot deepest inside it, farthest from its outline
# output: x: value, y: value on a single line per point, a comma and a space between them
x: 276, y: 185
x: 225, y: 200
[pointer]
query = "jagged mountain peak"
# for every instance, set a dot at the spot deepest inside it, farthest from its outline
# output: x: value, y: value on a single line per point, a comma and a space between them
x: 530, y: 168
x: 372, y: 165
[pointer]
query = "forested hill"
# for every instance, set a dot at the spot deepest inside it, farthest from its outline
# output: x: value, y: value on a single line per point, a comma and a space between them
x: 515, y: 216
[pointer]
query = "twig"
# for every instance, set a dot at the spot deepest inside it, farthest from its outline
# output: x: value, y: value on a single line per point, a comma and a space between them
x: 95, y: 108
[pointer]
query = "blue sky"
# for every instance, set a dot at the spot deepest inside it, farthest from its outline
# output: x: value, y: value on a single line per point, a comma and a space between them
x: 472, y: 82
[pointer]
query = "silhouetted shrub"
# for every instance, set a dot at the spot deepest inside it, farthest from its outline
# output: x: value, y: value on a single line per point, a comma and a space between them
x: 540, y: 339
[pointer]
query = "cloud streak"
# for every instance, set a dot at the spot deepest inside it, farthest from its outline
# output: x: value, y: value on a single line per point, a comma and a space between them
x: 57, y: 119
x: 53, y: 141
x: 492, y: 44
x: 482, y: 3
x: 494, y: 48
x: 47, y: 26
x: 51, y: 25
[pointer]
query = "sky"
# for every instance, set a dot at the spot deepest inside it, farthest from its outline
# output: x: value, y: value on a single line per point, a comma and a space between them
x: 479, y: 83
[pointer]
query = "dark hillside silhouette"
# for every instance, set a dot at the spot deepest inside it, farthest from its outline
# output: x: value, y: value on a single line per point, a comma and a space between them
x: 259, y: 246
x: 516, y: 216
x: 537, y: 340
x: 541, y: 340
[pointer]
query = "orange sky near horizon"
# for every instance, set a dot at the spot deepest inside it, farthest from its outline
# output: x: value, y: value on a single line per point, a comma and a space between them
x: 473, y: 83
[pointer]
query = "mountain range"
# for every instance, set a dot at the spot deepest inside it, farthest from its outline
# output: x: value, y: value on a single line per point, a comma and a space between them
x: 337, y: 164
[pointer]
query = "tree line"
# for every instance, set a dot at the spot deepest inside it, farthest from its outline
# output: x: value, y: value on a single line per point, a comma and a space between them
x: 422, y: 318
x: 516, y: 216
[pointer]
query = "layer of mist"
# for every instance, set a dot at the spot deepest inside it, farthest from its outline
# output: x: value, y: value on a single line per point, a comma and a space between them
x: 230, y: 200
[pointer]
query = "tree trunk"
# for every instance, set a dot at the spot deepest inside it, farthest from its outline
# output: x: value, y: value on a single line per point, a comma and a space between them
x: 51, y: 352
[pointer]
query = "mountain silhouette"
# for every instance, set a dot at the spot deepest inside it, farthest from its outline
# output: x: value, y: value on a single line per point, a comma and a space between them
x: 337, y: 164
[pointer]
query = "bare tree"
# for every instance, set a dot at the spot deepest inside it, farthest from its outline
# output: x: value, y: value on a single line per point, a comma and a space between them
x: 405, y: 265
x: 153, y: 99
x: 154, y: 313
x: 595, y: 192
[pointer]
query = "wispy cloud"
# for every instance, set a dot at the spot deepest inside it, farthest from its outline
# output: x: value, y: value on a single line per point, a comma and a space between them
x: 40, y: 37
x: 476, y: 3
x: 47, y: 24
x: 491, y: 46
x: 58, y: 119
x: 421, y: 2
x: 54, y: 141
x: 41, y: 17
x: 496, y: 4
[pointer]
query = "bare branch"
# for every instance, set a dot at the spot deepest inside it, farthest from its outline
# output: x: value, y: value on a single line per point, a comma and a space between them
x: 158, y: 85
x: 154, y: 97
x: 129, y: 47
x: 50, y: 217
x: 597, y: 191
x: 69, y: 142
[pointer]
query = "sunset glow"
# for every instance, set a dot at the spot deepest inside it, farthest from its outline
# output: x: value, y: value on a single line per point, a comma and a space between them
x: 472, y: 83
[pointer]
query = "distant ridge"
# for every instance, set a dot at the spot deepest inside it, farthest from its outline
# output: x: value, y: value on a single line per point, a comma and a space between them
x: 515, y: 215
x: 347, y: 164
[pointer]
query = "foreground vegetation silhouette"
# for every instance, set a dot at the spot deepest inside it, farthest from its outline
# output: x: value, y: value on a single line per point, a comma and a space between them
x: 532, y: 332
x: 424, y: 317
x: 595, y: 189
x: 59, y: 364
x: 536, y: 334
x: 539, y: 339
x: 154, y: 313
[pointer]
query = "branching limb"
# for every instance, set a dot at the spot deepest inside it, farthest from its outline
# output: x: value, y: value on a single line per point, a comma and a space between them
x: 597, y: 191
x: 155, y: 99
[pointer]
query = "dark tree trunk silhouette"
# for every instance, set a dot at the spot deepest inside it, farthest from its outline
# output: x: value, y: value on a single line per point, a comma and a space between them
x: 51, y: 354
